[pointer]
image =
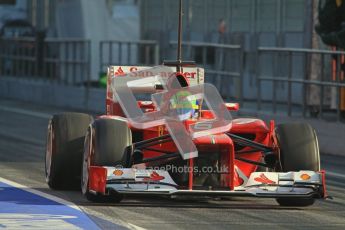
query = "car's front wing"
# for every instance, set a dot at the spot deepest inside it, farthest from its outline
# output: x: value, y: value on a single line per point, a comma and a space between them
x: 302, y: 184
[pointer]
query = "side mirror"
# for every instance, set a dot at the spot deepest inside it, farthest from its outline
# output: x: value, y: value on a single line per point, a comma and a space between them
x: 146, y: 105
x: 232, y: 106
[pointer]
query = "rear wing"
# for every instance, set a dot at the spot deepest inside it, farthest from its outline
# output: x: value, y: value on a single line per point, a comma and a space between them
x: 195, y: 76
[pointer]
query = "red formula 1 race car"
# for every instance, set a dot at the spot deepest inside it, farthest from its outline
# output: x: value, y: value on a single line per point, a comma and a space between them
x: 175, y: 144
x: 113, y: 157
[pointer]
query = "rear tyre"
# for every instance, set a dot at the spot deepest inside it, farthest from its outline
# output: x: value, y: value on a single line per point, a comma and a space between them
x: 105, y: 145
x: 64, y: 149
x: 299, y: 150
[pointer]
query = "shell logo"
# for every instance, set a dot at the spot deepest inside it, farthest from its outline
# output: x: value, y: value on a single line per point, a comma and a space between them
x: 118, y: 172
x: 305, y: 176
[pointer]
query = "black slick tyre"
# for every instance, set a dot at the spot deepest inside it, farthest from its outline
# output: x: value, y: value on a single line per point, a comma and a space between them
x: 299, y: 150
x: 105, y: 145
x: 64, y: 149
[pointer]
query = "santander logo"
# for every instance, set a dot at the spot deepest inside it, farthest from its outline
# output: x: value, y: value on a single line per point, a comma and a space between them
x: 263, y: 179
x: 154, y: 177
x: 120, y: 72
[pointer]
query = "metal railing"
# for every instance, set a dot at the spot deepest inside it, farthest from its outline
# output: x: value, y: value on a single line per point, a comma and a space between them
x: 64, y: 61
x: 287, y: 78
x: 297, y: 73
x: 18, y: 57
x: 67, y: 61
x: 142, y: 52
x: 223, y: 65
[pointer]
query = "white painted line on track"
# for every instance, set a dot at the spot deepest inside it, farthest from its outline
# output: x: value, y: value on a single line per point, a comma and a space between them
x: 135, y: 227
x: 333, y: 174
x: 39, y: 193
x: 25, y: 112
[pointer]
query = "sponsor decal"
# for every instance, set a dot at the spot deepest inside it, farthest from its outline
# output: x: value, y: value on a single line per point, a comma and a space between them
x: 118, y: 172
x: 154, y: 177
x: 189, y: 74
x: 263, y: 179
x: 305, y: 176
x: 132, y: 71
x: 119, y: 72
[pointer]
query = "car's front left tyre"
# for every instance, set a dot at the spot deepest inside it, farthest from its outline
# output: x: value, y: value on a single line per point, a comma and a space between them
x: 105, y: 145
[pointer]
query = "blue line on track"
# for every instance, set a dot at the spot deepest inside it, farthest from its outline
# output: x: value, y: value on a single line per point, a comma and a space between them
x: 21, y: 209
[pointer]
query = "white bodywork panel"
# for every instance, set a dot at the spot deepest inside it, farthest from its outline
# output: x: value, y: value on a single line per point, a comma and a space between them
x: 195, y: 76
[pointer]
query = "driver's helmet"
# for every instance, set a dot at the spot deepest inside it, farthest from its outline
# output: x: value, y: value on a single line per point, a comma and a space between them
x: 182, y: 103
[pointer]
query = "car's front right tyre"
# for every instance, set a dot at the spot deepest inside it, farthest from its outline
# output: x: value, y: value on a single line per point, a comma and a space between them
x: 64, y: 149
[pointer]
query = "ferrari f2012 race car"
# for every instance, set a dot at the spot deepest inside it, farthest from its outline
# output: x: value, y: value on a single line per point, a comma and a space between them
x: 166, y: 132
x: 112, y: 155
